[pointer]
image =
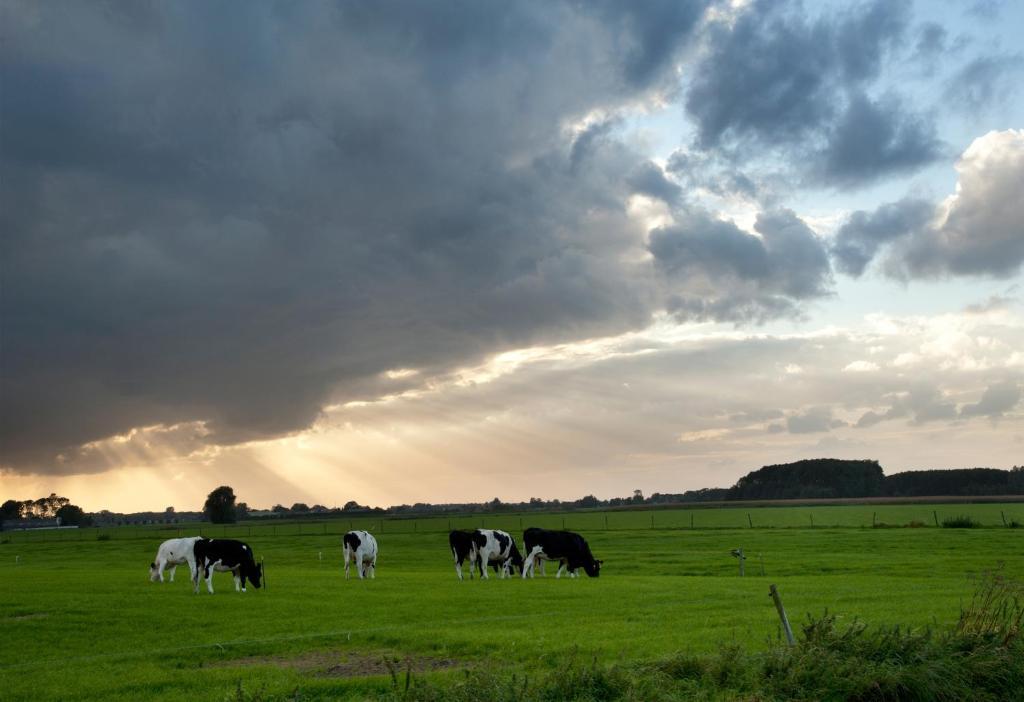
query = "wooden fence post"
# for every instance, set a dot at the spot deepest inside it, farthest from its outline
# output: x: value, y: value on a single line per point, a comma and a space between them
x: 751, y: 521
x: 935, y: 514
x: 1003, y: 515
x: 773, y: 592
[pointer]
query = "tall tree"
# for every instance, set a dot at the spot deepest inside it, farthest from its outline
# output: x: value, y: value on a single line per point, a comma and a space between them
x: 73, y: 515
x: 11, y: 509
x: 220, y: 506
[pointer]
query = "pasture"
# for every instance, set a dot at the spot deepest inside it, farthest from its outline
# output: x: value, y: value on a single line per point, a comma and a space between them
x: 82, y: 621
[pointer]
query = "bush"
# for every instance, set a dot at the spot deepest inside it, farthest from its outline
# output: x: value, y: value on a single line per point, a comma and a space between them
x: 959, y: 522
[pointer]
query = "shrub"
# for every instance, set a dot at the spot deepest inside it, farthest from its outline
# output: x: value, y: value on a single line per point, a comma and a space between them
x: 959, y: 522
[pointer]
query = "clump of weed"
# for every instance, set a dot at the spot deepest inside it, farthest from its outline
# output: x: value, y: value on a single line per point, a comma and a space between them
x: 103, y: 537
x: 1014, y: 524
x: 996, y: 611
x: 959, y: 522
x: 916, y: 524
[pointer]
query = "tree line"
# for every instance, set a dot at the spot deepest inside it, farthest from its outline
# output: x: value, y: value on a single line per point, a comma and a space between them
x: 819, y: 478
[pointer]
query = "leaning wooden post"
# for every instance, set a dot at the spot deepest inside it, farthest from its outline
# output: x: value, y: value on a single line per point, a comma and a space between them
x: 774, y: 594
x: 751, y: 521
x: 936, y: 515
x: 1003, y: 515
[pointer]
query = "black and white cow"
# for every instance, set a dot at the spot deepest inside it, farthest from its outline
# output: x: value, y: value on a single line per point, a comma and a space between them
x: 225, y: 555
x: 465, y: 545
x: 566, y: 547
x: 173, y: 553
x: 497, y: 548
x: 360, y: 547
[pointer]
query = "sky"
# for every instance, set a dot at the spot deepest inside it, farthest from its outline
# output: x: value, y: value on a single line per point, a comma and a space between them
x: 402, y: 252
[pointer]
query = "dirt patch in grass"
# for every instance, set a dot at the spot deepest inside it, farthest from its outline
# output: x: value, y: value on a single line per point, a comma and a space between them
x: 344, y: 664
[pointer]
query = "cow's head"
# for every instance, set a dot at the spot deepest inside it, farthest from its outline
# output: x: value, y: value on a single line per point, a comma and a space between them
x: 154, y: 572
x: 593, y: 569
x: 253, y: 572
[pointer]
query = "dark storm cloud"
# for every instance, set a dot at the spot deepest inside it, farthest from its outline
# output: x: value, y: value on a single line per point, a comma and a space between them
x: 649, y: 179
x: 997, y: 399
x: 921, y: 404
x: 813, y: 420
x: 859, y: 239
x: 729, y: 274
x: 233, y: 213
x: 976, y: 232
x: 775, y: 80
x: 984, y: 81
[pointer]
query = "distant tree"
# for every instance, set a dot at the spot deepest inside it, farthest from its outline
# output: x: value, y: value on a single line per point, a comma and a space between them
x: 220, y: 506
x: 352, y: 506
x: 72, y: 515
x: 588, y: 501
x: 814, y: 478
x: 638, y: 497
x: 169, y: 511
x: 278, y: 509
x: 318, y: 509
x: 11, y: 509
x: 300, y: 507
x: 241, y: 511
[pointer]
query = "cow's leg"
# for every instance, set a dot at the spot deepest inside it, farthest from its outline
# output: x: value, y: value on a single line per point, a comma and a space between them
x: 373, y: 568
x: 348, y: 557
x: 530, y: 561
x: 561, y: 567
x: 171, y: 571
x: 360, y: 565
x: 483, y: 563
x: 209, y: 578
x: 195, y: 578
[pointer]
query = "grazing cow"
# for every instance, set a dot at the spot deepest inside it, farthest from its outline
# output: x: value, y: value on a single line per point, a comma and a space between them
x: 225, y: 555
x: 361, y: 547
x: 497, y: 548
x: 465, y: 545
x: 566, y: 547
x: 173, y: 553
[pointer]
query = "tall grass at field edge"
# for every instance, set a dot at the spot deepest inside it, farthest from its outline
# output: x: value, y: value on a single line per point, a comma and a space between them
x: 980, y: 659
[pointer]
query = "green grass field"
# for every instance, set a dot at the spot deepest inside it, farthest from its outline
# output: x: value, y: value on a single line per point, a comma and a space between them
x: 82, y: 621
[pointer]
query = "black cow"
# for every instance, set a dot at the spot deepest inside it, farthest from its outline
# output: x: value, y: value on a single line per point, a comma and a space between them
x: 465, y: 546
x: 566, y: 547
x: 225, y: 555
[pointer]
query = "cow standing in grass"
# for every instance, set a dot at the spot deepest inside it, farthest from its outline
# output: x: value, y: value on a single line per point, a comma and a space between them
x: 360, y: 547
x: 568, y: 548
x: 173, y: 553
x: 497, y: 548
x: 225, y: 555
x: 464, y: 546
